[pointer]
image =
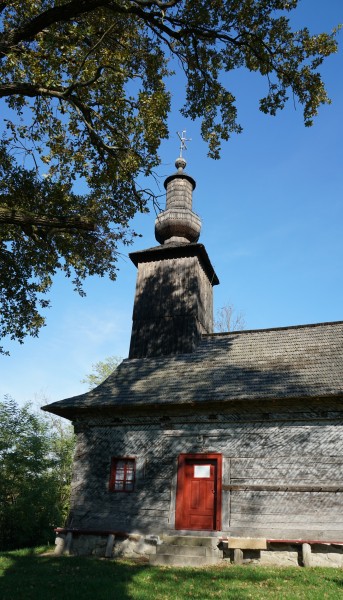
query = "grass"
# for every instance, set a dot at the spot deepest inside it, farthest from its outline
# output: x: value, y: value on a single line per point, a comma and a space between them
x: 34, y: 574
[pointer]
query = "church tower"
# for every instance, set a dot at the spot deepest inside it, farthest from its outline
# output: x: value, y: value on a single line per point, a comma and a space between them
x: 173, y: 304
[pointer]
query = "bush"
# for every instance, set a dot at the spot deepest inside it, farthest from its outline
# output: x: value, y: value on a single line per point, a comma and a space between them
x: 36, y: 455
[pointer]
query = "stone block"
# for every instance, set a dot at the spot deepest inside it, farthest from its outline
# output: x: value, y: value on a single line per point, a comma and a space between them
x: 247, y: 543
x: 190, y: 540
x: 68, y: 543
x: 109, y: 546
x: 279, y: 558
x: 59, y: 543
x: 238, y: 556
x: 327, y: 556
x: 183, y: 561
x: 153, y: 540
x: 307, y: 555
x: 182, y: 550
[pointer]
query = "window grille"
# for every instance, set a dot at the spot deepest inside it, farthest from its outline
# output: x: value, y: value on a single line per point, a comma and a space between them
x: 123, y: 474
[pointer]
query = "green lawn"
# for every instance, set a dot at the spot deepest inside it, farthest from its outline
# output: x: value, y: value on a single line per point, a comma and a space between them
x: 27, y: 574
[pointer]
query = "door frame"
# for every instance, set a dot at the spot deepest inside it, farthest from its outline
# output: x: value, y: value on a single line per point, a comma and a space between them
x: 180, y: 486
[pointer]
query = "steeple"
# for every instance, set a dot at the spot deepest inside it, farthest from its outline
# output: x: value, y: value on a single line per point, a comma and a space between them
x: 178, y: 223
x: 174, y: 298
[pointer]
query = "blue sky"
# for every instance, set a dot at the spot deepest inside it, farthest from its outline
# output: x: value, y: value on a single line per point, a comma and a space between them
x: 272, y: 216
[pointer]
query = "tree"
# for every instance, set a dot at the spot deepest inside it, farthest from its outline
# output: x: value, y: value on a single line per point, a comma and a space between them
x: 62, y: 446
x: 35, y: 472
x: 102, y: 370
x: 86, y: 81
x: 228, y: 319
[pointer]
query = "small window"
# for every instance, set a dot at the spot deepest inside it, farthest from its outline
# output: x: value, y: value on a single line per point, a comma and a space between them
x: 202, y: 471
x: 123, y: 471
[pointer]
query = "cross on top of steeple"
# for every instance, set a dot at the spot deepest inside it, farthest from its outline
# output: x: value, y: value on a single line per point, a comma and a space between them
x: 183, y: 139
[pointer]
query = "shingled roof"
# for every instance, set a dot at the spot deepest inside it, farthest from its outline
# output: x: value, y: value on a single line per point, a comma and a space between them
x: 290, y: 362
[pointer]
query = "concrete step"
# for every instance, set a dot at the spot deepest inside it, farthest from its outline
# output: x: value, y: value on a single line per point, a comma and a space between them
x: 187, y: 551
x: 183, y: 561
x: 182, y: 550
x: 190, y: 540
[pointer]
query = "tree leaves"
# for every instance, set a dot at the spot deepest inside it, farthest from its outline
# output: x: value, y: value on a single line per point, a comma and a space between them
x: 86, y: 82
x: 35, y: 473
x: 101, y: 370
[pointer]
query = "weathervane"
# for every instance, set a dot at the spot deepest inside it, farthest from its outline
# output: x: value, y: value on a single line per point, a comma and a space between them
x: 183, y: 140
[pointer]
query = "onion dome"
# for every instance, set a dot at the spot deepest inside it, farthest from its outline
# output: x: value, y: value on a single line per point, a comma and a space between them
x: 178, y: 223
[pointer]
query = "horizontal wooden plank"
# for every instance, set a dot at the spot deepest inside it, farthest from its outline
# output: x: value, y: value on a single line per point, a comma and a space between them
x: 283, y: 488
x: 267, y: 495
x: 271, y: 462
x: 287, y: 510
x: 283, y: 533
x: 267, y: 440
x: 115, y: 522
x: 283, y: 499
x: 272, y: 513
x: 326, y: 473
x: 289, y: 519
x: 157, y: 491
x: 161, y: 471
x: 284, y: 502
x: 334, y: 481
x: 294, y: 472
x: 315, y: 527
x: 131, y: 503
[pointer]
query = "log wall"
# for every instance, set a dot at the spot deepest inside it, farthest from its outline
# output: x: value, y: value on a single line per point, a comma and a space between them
x: 173, y: 307
x: 283, y: 477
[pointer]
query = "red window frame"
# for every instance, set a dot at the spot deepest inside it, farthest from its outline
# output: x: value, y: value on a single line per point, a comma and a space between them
x: 124, y: 483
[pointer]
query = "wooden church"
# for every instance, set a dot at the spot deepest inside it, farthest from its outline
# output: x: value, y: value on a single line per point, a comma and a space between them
x: 202, y: 447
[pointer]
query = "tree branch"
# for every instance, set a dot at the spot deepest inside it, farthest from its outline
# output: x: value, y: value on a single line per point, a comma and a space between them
x: 31, y: 90
x: 90, y: 51
x: 161, y: 5
x: 66, y: 12
x: 9, y: 216
x: 85, y: 114
x: 3, y: 6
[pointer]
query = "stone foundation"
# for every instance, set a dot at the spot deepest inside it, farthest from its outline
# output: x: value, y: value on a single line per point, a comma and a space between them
x: 143, y: 546
x: 323, y: 555
x: 290, y: 555
x: 98, y: 545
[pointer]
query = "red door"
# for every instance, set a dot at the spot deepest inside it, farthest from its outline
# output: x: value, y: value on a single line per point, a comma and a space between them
x: 198, y: 497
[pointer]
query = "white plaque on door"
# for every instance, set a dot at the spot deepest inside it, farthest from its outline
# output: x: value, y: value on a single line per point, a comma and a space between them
x: 202, y: 471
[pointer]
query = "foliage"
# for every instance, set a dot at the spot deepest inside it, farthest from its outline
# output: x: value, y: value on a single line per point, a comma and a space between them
x: 28, y: 576
x: 32, y: 253
x: 86, y: 84
x: 62, y: 445
x: 101, y: 370
x: 35, y: 471
x: 228, y: 319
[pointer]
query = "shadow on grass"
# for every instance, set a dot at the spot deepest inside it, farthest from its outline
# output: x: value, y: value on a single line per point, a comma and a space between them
x: 338, y: 582
x: 26, y: 575
x: 46, y: 576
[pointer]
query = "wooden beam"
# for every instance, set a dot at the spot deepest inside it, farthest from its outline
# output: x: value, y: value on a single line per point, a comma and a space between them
x: 282, y: 488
